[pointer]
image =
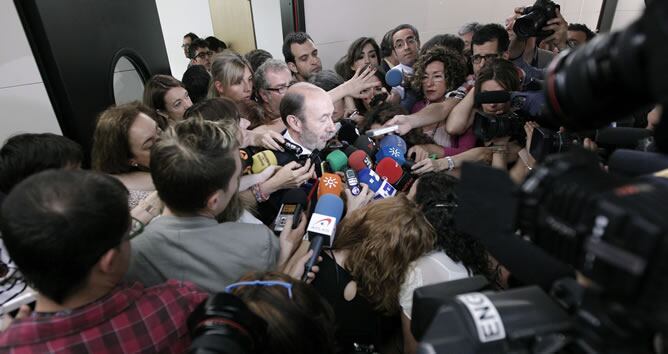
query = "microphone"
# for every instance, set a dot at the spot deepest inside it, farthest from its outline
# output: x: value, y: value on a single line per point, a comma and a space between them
x: 330, y: 183
x: 359, y: 160
x: 621, y: 137
x: 396, y: 141
x: 322, y: 227
x: 395, y: 174
x: 365, y: 143
x: 262, y: 160
x: 292, y: 147
x: 392, y: 152
x: 348, y: 132
x: 632, y: 163
x: 337, y: 160
x: 382, y: 188
x: 294, y: 202
x: 382, y: 131
x: 394, y: 77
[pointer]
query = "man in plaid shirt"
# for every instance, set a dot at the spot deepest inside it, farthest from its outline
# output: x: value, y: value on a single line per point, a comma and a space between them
x: 68, y: 232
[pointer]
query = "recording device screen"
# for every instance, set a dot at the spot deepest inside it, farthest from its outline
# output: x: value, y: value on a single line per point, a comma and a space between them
x: 288, y: 211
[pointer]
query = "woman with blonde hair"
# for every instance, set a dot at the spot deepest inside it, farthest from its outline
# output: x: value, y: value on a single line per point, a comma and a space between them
x: 361, y: 276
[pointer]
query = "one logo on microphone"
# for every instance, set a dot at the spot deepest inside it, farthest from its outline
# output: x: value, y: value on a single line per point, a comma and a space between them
x: 322, y: 224
x: 330, y: 182
x: 395, y: 152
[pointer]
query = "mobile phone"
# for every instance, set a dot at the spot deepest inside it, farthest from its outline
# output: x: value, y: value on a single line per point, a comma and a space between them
x: 292, y: 147
x: 26, y: 297
x: 352, y: 182
x: 288, y: 211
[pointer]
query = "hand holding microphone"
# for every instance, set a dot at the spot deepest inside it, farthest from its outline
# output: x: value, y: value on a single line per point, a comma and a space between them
x: 354, y: 202
x: 322, y: 227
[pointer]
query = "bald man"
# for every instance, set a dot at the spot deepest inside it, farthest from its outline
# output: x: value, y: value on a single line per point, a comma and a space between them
x: 307, y: 113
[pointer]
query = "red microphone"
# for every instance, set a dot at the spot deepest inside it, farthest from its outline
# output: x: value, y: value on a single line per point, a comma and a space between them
x: 389, y: 169
x: 359, y: 160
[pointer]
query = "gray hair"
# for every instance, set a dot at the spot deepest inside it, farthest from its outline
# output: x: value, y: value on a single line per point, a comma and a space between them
x: 260, y: 79
x: 470, y: 27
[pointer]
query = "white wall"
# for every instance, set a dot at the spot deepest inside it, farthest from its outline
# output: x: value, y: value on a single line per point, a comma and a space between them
x: 178, y: 17
x: 333, y: 25
x: 23, y: 98
x: 627, y: 12
x: 268, y: 26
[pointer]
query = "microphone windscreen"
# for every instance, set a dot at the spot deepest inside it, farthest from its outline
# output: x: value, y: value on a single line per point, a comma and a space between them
x: 622, y: 137
x: 501, y: 96
x: 348, y: 150
x: 394, y: 77
x: 370, y: 178
x: 632, y: 163
x: 348, y: 131
x: 337, y: 160
x: 396, y: 141
x: 330, y: 183
x: 365, y: 143
x: 262, y: 160
x: 295, y: 196
x: 389, y: 169
x: 326, y: 215
x: 359, y: 160
x: 392, y: 152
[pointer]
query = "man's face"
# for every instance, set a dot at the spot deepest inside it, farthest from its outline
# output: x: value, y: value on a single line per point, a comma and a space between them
x: 482, y: 52
x: 317, y: 126
x: 186, y: 45
x: 306, y: 62
x: 203, y: 57
x: 406, y: 46
x: 576, y: 38
x: 467, y: 37
x: 278, y: 83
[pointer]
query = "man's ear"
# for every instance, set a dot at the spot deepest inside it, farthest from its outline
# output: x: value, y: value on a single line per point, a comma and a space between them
x: 294, y: 122
x: 293, y: 67
x: 107, y: 263
x: 505, y: 55
x: 219, y: 87
x: 214, y: 200
x: 264, y: 95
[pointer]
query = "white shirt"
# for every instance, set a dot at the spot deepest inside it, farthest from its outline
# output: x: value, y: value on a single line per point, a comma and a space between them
x: 286, y: 136
x: 432, y: 268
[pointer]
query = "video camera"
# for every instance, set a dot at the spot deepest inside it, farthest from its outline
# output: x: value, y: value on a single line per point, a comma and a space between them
x: 534, y: 18
x: 612, y: 230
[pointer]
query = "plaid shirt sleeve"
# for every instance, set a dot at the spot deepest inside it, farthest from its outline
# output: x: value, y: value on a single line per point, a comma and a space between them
x: 129, y: 320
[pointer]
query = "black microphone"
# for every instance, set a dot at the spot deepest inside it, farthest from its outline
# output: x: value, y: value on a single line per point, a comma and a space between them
x: 621, y: 137
x: 348, y: 131
x: 632, y: 163
x: 322, y: 227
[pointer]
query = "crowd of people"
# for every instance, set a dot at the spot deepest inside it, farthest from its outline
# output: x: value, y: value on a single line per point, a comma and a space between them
x: 184, y: 188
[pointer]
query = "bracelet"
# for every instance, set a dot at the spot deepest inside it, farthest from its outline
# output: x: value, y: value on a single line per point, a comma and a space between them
x: 525, y: 162
x: 451, y: 163
x: 259, y: 195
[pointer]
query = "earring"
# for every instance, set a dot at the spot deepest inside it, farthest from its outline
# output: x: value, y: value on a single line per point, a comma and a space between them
x: 135, y: 164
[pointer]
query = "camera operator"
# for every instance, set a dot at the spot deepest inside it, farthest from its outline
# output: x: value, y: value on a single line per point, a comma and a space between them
x: 69, y: 233
x: 527, y: 48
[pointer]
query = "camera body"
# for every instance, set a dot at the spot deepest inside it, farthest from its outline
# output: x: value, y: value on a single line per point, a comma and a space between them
x: 534, y: 18
x: 488, y: 126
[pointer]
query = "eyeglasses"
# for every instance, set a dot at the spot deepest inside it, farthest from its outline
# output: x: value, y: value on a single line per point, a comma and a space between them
x: 433, y: 78
x: 281, y: 89
x: 229, y: 288
x: 479, y: 57
x: 400, y: 44
x: 203, y: 55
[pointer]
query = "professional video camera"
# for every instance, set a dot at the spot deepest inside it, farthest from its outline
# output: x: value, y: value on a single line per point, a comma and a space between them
x: 534, y: 18
x: 612, y: 230
x: 524, y: 106
x: 224, y: 324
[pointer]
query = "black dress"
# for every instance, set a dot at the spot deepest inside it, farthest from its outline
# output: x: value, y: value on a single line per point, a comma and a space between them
x: 356, y: 321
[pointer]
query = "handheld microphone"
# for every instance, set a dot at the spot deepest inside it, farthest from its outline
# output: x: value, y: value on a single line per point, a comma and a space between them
x: 365, y: 143
x: 262, y: 160
x: 348, y: 132
x: 337, y: 160
x: 382, y: 131
x: 381, y: 188
x: 390, y: 170
x: 396, y: 141
x: 292, y: 147
x: 352, y: 182
x: 394, y: 77
x: 632, y: 163
x: 322, y: 227
x: 359, y: 160
x: 392, y: 152
x: 294, y: 202
x: 330, y: 183
x: 348, y: 150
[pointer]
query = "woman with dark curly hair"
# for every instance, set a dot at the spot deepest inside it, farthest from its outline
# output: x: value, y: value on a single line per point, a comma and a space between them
x: 362, y: 274
x: 439, y: 71
x: 455, y: 256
